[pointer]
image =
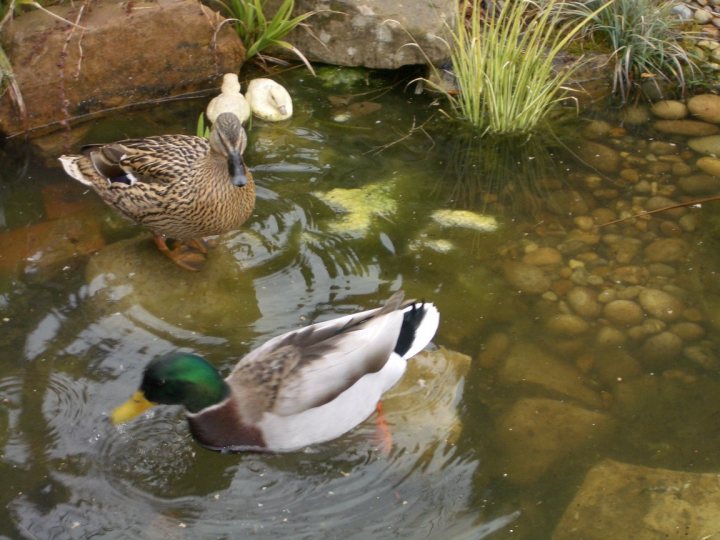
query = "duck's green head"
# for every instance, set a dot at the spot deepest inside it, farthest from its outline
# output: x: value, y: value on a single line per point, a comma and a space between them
x: 175, y: 379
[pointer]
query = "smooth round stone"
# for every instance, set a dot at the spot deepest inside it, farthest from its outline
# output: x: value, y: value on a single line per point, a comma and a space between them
x: 493, y: 349
x: 526, y: 278
x: 603, y: 215
x: 701, y: 16
x: 630, y: 175
x: 661, y: 269
x: 631, y: 274
x: 669, y: 109
x: 600, y: 157
x: 635, y: 115
x: 706, y: 107
x: 663, y: 346
x: 701, y: 356
x: 662, y: 148
x: 643, y: 187
x: 706, y: 145
x: 595, y: 280
x: 670, y: 228
x: 608, y: 295
x: 688, y: 223
x: 626, y: 249
x: 629, y: 293
x: 699, y: 184
x: 543, y: 256
x: 710, y: 165
x: 567, y: 325
x: 596, y: 129
x: 690, y: 128
x: 680, y: 168
x: 648, y: 327
x: 658, y: 201
x: 682, y: 11
x: 608, y: 336
x: 661, y: 305
x: 583, y: 301
x: 688, y: 331
x: 584, y: 223
x: 624, y: 312
x: 666, y: 250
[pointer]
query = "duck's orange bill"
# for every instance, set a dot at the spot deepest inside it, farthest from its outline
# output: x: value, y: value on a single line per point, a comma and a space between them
x: 134, y: 406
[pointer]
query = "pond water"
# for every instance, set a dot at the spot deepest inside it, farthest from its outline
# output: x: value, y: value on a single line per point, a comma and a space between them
x: 575, y: 343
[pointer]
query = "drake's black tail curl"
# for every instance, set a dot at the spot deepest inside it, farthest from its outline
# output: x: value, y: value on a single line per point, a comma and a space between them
x: 411, y: 321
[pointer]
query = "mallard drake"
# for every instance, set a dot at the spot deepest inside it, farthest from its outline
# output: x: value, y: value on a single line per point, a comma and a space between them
x: 179, y: 186
x: 301, y: 388
x: 268, y: 100
x: 229, y: 100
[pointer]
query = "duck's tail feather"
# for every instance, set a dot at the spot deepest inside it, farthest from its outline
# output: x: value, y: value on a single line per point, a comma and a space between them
x: 420, y: 322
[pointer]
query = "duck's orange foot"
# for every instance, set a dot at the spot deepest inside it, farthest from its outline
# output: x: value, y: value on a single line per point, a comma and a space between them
x: 190, y: 256
x: 383, y: 433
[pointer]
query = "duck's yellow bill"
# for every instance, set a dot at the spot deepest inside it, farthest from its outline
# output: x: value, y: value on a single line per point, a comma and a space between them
x: 134, y: 406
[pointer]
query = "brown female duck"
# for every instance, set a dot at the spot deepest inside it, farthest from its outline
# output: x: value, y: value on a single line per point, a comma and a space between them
x: 180, y: 187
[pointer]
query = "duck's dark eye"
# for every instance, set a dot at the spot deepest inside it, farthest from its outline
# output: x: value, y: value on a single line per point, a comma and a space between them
x: 231, y: 167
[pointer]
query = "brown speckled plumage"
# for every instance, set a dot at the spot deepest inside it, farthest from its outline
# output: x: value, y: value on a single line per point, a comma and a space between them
x: 178, y: 186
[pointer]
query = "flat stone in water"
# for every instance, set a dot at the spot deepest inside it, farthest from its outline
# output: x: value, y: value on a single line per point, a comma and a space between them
x: 536, y: 434
x: 691, y: 128
x: 662, y: 350
x: 567, y: 324
x: 699, y: 184
x: 617, y: 500
x: 528, y: 364
x: 543, y: 256
x: 706, y: 145
x: 688, y: 331
x: 599, y: 156
x: 666, y: 250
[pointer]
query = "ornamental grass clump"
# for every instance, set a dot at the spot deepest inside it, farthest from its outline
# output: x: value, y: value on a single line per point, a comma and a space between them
x: 646, y: 39
x: 257, y: 31
x: 504, y: 64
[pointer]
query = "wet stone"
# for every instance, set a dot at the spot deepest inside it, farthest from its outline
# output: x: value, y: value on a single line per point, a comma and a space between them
x: 536, y: 434
x: 662, y: 148
x: 661, y: 349
x: 666, y: 250
x: 706, y: 107
x: 681, y: 169
x: 623, y: 312
x: 492, y: 350
x: 625, y: 250
x: 635, y: 115
x: 661, y: 269
x: 543, y: 256
x: 688, y: 222
x: 633, y: 275
x: 608, y: 295
x: 614, y: 365
x: 699, y: 184
x: 599, y: 157
x: 669, y: 109
x: 658, y: 201
x: 608, y: 336
x: 526, y: 278
x: 706, y: 145
x: 710, y: 165
x: 691, y: 128
x: 528, y: 364
x: 660, y: 304
x: 702, y: 356
x: 584, y: 302
x: 567, y: 325
x: 688, y: 331
x: 670, y: 228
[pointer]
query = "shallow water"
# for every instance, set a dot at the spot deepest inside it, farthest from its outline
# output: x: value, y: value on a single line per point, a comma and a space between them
x: 77, y: 330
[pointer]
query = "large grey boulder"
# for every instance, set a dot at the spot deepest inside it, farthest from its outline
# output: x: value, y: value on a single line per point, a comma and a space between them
x: 373, y: 33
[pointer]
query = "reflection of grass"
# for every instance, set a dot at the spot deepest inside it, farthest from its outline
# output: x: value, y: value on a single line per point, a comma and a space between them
x: 481, y: 170
x: 504, y: 64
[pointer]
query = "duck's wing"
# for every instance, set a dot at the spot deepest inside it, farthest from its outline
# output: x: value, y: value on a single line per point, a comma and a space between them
x: 160, y: 159
x: 311, y: 366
